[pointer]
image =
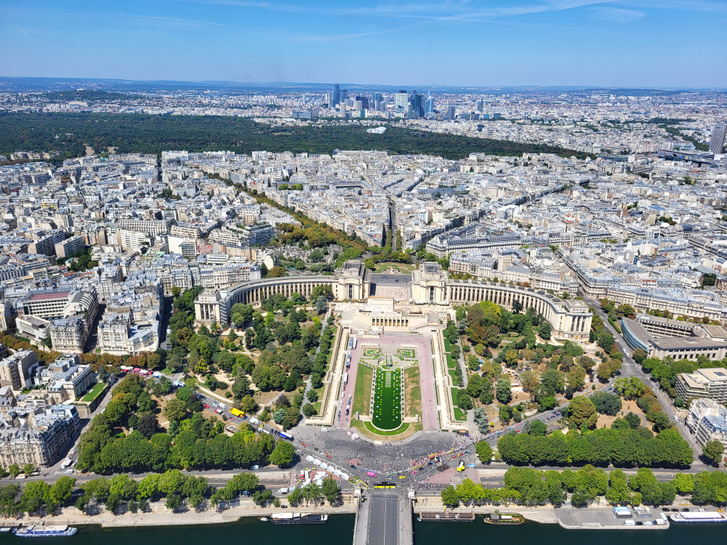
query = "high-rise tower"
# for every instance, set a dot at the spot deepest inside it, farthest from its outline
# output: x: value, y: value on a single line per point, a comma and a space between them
x: 718, y: 135
x: 417, y: 104
x: 336, y: 99
x: 401, y: 101
x: 429, y: 105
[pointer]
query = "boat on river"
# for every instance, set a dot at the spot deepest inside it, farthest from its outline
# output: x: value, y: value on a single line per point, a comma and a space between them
x: 45, y: 531
x: 297, y: 518
x: 512, y: 519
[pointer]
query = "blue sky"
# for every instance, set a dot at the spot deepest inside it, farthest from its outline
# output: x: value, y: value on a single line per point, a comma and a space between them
x: 647, y: 43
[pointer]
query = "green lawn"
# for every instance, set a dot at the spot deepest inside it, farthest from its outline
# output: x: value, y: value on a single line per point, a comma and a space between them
x: 97, y: 389
x: 400, y: 267
x: 447, y: 346
x: 387, y: 399
x: 413, y: 391
x: 454, y: 396
x: 362, y: 393
x: 459, y: 414
x: 397, y: 431
x: 450, y: 361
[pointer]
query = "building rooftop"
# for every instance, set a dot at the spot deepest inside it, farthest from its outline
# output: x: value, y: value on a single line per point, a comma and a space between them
x: 385, y: 279
x: 48, y: 296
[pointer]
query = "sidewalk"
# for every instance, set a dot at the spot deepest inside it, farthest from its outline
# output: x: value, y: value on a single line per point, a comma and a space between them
x: 161, y: 516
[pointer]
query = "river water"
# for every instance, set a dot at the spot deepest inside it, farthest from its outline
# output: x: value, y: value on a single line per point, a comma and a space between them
x: 339, y: 531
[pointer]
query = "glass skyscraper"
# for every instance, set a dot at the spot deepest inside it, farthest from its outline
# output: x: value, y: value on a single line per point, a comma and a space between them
x: 429, y: 105
x: 718, y: 136
x: 336, y: 98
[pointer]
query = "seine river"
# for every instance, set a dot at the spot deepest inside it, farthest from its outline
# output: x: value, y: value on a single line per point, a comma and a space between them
x: 339, y: 530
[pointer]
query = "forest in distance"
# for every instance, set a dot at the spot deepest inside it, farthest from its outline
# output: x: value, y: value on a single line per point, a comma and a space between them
x: 70, y: 133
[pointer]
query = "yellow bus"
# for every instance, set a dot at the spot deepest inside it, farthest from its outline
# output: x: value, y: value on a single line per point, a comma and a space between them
x: 237, y: 412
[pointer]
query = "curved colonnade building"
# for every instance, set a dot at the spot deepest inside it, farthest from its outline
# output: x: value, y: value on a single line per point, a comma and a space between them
x: 392, y: 299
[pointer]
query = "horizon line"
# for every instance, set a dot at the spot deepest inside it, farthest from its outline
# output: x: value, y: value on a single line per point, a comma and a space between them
x: 423, y: 85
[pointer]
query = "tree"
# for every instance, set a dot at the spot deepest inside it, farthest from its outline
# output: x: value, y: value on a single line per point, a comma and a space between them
x: 505, y: 414
x: 330, y: 491
x: 576, y: 378
x: 639, y: 355
x: 450, y: 498
x: 544, y: 330
x: 279, y: 416
x: 283, y: 454
x: 503, y: 390
x: 552, y: 381
x: 630, y: 388
x: 309, y: 410
x: 241, y: 388
x: 28, y: 469
x: 14, y: 470
x: 34, y: 496
x: 583, y: 411
x: 633, y: 420
x: 321, y: 304
x: 537, y: 428
x: 605, y: 340
x: 464, y: 400
x: 153, y: 361
x: 241, y: 314
x: 581, y: 497
x: 147, y: 425
x: 712, y: 452
x: 60, y: 492
x: 660, y: 420
x: 683, y: 483
x: 484, y: 451
x: 480, y: 417
x: 175, y: 410
x: 606, y: 403
x: 275, y: 272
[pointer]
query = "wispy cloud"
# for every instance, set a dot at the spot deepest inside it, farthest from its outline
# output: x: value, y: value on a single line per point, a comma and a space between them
x: 618, y: 15
x: 682, y: 5
x: 456, y: 10
x: 174, y: 23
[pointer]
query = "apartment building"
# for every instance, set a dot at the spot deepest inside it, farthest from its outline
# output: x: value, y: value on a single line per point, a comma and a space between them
x: 119, y: 335
x: 69, y: 246
x: 15, y: 369
x: 703, y: 383
x: 150, y: 227
x: 37, y: 435
x: 67, y: 379
x: 707, y: 420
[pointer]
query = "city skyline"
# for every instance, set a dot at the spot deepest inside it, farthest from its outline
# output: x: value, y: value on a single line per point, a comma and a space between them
x: 553, y: 43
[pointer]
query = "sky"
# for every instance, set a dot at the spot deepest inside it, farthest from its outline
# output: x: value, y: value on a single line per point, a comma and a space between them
x: 612, y: 43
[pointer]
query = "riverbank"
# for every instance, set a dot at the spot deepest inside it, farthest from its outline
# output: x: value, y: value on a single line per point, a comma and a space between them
x: 598, y: 516
x: 433, y: 504
x: 159, y: 515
